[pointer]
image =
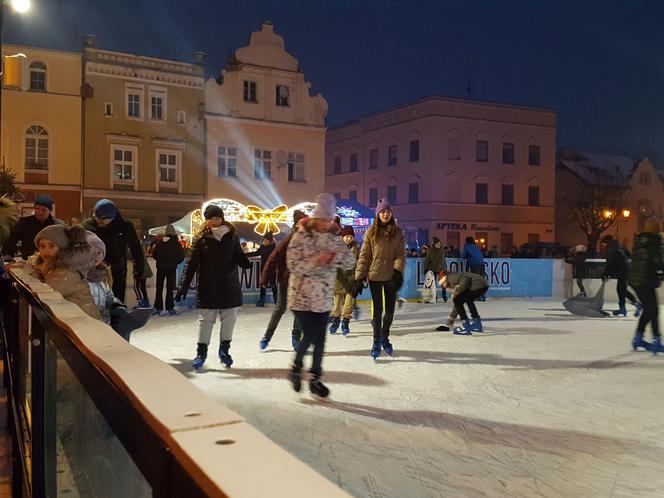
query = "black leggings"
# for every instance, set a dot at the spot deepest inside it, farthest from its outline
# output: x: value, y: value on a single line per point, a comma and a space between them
x: 381, y: 325
x: 314, y: 327
x: 623, y: 292
x: 264, y: 291
x: 650, y: 313
x: 468, y: 297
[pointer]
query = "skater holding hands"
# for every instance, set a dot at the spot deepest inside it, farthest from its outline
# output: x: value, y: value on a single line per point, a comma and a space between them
x: 314, y: 255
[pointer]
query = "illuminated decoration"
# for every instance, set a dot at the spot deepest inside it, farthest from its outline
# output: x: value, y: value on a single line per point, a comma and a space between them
x: 267, y: 220
x: 347, y: 212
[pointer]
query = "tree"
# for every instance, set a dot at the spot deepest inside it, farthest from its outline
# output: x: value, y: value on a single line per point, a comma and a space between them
x: 7, y: 181
x: 596, y: 199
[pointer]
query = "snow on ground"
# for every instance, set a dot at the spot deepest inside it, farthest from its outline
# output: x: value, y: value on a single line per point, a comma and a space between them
x: 542, y: 404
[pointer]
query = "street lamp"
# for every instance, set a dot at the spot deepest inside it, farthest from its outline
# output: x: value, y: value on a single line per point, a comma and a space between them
x: 625, y: 215
x: 608, y: 214
x: 20, y: 6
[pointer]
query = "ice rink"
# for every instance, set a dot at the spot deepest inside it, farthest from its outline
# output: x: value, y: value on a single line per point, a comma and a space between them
x: 541, y: 404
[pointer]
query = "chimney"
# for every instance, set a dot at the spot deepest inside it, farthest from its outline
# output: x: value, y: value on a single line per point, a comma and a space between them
x: 89, y: 41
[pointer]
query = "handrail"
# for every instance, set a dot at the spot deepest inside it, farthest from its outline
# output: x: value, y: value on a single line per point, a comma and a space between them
x: 183, y: 442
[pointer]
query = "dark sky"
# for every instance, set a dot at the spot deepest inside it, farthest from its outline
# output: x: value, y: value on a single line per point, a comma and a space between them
x: 599, y: 64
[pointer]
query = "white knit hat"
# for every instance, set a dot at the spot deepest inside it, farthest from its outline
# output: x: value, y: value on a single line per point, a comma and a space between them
x: 326, y: 206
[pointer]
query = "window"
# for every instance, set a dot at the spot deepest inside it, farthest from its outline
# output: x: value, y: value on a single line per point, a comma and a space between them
x: 182, y: 117
x: 373, y: 197
x: 134, y: 101
x: 282, y: 94
x: 373, y: 159
x: 295, y: 167
x: 413, y: 193
x: 482, y: 151
x: 533, y: 196
x: 108, y: 109
x: 392, y: 194
x: 353, y: 162
x: 36, y: 148
x: 352, y: 195
x: 249, y: 91
x: 168, y: 162
x: 392, y: 155
x: 263, y: 164
x: 337, y: 196
x: 123, y: 161
x: 414, y: 151
x: 453, y: 149
x: 533, y: 155
x: 506, y: 243
x: 227, y: 161
x: 644, y: 178
x: 481, y: 193
x: 157, y: 104
x: 38, y: 77
x: 337, y: 165
x: 508, y: 153
x: 508, y: 195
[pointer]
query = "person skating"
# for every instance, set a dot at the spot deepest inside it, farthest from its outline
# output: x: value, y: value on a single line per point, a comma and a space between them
x: 617, y: 266
x: 434, y: 261
x: 344, y: 302
x: 645, y: 274
x: 216, y: 255
x: 168, y: 254
x: 264, y: 251
x: 474, y: 259
x: 275, y: 270
x: 382, y: 260
x: 314, y: 255
x: 118, y: 235
x: 467, y: 288
x: 577, y: 258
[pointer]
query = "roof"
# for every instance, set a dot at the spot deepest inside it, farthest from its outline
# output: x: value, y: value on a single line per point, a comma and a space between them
x: 595, y: 168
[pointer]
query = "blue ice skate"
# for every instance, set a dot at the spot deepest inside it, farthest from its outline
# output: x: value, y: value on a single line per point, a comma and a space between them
x: 265, y: 340
x: 224, y: 354
x: 466, y: 329
x: 638, y: 342
x: 620, y: 311
x: 656, y: 346
x: 201, y: 356
x: 476, y: 325
x: 296, y: 336
x: 345, y: 326
x: 334, y: 324
x: 387, y: 346
x: 638, y: 310
x: 375, y: 350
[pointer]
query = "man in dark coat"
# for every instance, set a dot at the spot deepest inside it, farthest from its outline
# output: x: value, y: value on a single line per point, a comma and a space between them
x: 28, y: 227
x: 264, y: 252
x: 168, y: 254
x: 617, y: 266
x: 119, y: 235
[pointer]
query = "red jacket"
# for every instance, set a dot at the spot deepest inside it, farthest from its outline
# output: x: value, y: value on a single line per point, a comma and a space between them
x: 275, y: 266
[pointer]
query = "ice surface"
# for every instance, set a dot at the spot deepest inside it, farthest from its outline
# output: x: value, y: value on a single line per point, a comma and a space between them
x: 543, y: 403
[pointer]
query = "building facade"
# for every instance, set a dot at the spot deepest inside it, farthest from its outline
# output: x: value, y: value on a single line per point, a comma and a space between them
x: 144, y: 135
x: 643, y: 197
x: 452, y: 168
x: 41, y: 129
x: 265, y: 131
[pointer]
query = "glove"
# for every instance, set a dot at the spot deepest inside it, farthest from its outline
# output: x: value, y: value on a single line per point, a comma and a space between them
x: 397, y: 279
x: 181, y: 294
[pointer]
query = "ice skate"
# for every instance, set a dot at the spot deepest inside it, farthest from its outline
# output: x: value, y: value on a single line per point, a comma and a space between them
x: 466, y: 329
x: 295, y: 377
x: 638, y: 310
x: 172, y: 313
x: 387, y: 346
x: 476, y: 325
x: 345, y: 326
x: 201, y: 356
x: 334, y: 325
x: 317, y: 388
x: 156, y: 312
x: 296, y: 336
x: 620, y: 311
x: 656, y: 346
x: 224, y: 355
x: 375, y: 350
x: 638, y: 342
x: 265, y: 340
x: 442, y: 328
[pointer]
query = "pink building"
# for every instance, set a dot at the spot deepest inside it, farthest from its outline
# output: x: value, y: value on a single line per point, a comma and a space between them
x: 452, y: 168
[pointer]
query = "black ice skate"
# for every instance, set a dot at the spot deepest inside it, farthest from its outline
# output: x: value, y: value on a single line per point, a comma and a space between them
x: 317, y: 388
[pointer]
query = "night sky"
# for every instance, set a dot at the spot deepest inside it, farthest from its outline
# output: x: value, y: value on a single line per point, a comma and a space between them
x: 599, y: 64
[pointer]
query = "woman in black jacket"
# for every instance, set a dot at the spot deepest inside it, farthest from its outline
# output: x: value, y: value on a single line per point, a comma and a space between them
x: 645, y: 274
x: 168, y: 254
x: 264, y: 252
x: 216, y: 255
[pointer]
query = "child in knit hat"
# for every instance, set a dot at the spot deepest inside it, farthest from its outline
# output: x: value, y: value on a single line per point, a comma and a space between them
x: 344, y: 301
x: 63, y: 259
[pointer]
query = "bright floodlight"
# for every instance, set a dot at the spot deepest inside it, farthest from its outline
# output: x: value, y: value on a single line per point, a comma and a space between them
x: 21, y: 6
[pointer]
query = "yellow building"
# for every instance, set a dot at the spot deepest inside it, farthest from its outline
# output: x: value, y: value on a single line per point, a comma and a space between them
x: 265, y: 131
x: 41, y: 129
x: 144, y: 135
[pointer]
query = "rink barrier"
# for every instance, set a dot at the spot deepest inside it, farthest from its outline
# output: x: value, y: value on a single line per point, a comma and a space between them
x: 89, y: 411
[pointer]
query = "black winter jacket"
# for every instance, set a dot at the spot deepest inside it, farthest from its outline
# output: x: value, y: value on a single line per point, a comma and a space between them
x: 25, y: 231
x: 168, y: 254
x: 617, y: 261
x: 217, y: 263
x: 119, y: 235
x: 264, y: 252
x: 647, y: 263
